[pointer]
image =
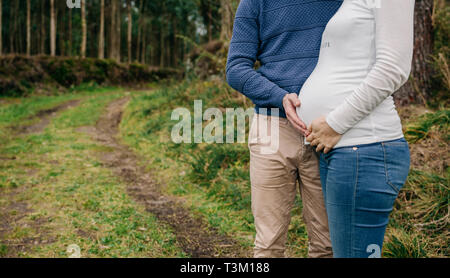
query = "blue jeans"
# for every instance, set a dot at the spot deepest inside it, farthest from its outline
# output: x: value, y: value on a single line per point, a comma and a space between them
x: 360, y: 185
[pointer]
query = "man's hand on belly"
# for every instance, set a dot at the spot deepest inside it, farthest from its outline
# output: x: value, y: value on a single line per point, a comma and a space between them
x: 290, y: 104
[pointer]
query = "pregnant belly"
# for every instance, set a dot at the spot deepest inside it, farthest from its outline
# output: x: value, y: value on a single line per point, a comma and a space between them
x: 317, y: 102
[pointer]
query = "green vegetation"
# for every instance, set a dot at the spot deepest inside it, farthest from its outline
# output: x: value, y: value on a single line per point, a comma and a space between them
x: 214, y: 178
x: 424, y: 126
x: 21, y: 75
x: 55, y: 190
x: 57, y: 193
x: 419, y: 225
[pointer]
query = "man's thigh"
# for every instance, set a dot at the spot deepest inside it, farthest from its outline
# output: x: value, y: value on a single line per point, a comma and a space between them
x: 314, y: 210
x: 273, y: 178
x: 273, y: 172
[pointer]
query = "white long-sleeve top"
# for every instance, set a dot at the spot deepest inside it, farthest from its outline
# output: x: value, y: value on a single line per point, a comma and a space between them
x: 366, y: 56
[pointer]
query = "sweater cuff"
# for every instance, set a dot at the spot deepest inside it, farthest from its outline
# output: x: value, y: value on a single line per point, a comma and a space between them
x: 277, y: 96
x: 335, y: 125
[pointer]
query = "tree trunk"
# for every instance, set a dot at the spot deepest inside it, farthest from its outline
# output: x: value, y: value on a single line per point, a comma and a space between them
x: 130, y: 29
x: 52, y: 28
x: 169, y: 47
x: 175, y: 42
x: 43, y: 29
x: 28, y: 28
x: 11, y: 36
x: 69, y: 41
x: 35, y: 39
x: 13, y: 21
x: 83, y: 29
x: 61, y: 25
x: 151, y: 59
x: 162, y: 48
x: 210, y: 25
x: 115, y: 31
x: 417, y: 90
x: 1, y: 37
x: 144, y: 43
x: 139, y: 37
x: 227, y: 8
x: 17, y: 29
x: 225, y: 12
x: 119, y: 31
x: 101, y: 36
x: 112, y: 32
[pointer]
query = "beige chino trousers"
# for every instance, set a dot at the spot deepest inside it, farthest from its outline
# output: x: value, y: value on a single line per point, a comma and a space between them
x: 275, y: 169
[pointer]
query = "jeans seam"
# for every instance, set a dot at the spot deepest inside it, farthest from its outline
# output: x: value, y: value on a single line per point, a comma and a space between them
x: 354, y: 206
x: 386, y: 170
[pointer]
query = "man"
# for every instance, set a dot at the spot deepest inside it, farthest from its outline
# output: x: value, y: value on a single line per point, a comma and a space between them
x: 285, y: 36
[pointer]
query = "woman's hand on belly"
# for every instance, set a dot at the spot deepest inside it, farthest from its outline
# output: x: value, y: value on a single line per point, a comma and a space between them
x: 322, y: 135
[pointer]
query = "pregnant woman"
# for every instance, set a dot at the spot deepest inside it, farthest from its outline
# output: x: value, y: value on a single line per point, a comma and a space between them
x: 347, y: 103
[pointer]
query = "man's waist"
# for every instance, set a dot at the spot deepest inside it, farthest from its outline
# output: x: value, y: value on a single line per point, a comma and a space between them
x: 270, y: 111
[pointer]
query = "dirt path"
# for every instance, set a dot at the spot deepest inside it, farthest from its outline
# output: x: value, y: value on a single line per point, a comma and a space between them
x: 192, y: 233
x: 11, y: 214
x: 45, y: 117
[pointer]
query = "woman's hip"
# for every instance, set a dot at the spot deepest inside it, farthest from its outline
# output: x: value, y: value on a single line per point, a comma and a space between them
x: 366, y: 166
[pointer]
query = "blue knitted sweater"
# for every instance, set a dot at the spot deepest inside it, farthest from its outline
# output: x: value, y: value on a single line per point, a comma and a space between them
x: 285, y: 36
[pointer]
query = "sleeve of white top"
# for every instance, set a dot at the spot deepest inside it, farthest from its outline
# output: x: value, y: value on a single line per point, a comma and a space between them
x: 394, y: 39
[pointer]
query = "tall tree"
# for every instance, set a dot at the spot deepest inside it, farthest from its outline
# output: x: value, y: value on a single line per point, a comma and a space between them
x: 418, y: 88
x: 130, y: 29
x: 210, y: 22
x: 61, y: 25
x: 1, y: 37
x: 227, y: 8
x: 118, y: 30
x: 139, y: 26
x: 13, y: 44
x: 114, y: 31
x: 175, y: 42
x: 163, y: 37
x: 43, y: 29
x: 101, y: 35
x: 144, y: 41
x: 83, y: 29
x: 209, y: 10
x: 162, y: 47
x: 52, y: 28
x: 112, y: 36
x: 69, y: 40
x: 62, y: 31
x: 28, y: 28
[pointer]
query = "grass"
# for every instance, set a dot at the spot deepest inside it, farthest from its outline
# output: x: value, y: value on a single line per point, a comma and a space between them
x: 426, y: 124
x: 21, y: 110
x: 68, y: 196
x: 419, y: 223
x: 214, y: 178
x: 58, y: 192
